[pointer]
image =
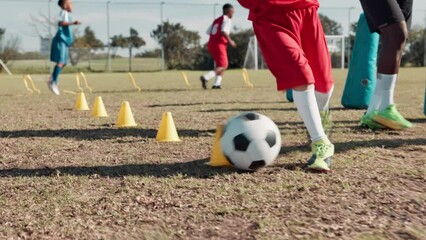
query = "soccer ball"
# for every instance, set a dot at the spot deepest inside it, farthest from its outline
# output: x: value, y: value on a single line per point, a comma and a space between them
x: 251, y: 141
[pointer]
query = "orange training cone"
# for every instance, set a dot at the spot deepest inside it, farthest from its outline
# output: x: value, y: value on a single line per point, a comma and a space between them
x: 81, y: 103
x: 99, y: 108
x: 125, y: 116
x: 167, y: 131
x: 217, y: 158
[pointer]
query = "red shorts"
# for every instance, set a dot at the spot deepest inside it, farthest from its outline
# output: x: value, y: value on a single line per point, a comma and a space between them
x: 294, y: 47
x: 219, y: 53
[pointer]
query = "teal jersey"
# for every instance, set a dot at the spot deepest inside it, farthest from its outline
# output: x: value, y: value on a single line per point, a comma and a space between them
x: 65, y: 32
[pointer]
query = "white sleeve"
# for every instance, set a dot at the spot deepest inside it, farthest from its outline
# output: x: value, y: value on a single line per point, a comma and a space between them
x: 209, y: 30
x: 226, y: 26
x: 63, y: 16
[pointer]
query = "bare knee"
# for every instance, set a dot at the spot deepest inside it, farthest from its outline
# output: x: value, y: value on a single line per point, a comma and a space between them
x: 303, y: 87
x: 220, y: 71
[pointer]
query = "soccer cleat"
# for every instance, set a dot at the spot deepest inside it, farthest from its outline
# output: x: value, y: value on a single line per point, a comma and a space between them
x: 203, y: 82
x: 391, y: 118
x: 216, y: 87
x: 322, y: 150
x: 368, y: 122
x: 54, y: 88
x: 326, y: 121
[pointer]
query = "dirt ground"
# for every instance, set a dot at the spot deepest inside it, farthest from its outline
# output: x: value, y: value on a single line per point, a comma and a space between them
x: 65, y: 175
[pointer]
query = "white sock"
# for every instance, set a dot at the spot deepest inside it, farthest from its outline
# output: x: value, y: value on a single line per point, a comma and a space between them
x: 386, y: 85
x: 209, y: 75
x: 375, y: 100
x: 218, y: 80
x: 307, y: 107
x: 383, y: 92
x: 323, y: 99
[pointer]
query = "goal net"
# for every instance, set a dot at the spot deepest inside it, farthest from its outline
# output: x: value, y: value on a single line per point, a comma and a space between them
x: 253, y: 58
x: 336, y: 47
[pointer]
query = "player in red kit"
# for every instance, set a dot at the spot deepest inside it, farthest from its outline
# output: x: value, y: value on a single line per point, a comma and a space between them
x: 219, y: 38
x: 293, y: 44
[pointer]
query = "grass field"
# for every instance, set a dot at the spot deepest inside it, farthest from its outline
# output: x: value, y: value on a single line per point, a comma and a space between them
x: 96, y: 65
x: 64, y: 175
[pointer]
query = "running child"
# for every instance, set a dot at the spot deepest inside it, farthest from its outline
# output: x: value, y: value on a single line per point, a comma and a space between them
x: 61, y: 42
x: 391, y: 19
x: 219, y: 38
x: 293, y: 44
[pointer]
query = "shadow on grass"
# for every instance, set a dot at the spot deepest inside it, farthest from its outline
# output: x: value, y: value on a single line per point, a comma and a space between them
x: 206, y: 103
x: 248, y: 110
x: 259, y: 109
x: 98, y: 134
x: 294, y: 166
x: 418, y: 120
x: 341, y: 124
x: 144, y: 90
x: 303, y: 125
x: 341, y: 147
x: 194, y: 169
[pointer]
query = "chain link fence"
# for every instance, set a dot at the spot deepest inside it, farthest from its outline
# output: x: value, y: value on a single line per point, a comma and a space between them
x: 114, y: 18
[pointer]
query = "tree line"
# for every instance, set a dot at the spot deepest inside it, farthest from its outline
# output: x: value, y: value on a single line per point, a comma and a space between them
x: 183, y: 48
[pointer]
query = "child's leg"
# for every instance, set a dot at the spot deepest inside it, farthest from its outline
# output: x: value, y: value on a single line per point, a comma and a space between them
x: 280, y: 43
x: 323, y: 99
x: 316, y: 50
x: 219, y: 78
x: 391, y: 19
x: 306, y: 103
x: 220, y: 58
x: 280, y: 40
x: 393, y: 41
x: 209, y: 75
x: 59, y: 54
x: 221, y: 63
x: 56, y: 71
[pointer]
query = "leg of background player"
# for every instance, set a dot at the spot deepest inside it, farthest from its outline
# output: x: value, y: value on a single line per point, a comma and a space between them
x: 393, y: 37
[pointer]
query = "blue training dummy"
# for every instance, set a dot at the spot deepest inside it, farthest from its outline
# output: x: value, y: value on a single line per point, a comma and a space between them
x: 362, y: 73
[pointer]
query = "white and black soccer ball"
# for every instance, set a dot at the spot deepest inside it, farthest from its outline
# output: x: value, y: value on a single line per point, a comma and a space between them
x: 251, y: 141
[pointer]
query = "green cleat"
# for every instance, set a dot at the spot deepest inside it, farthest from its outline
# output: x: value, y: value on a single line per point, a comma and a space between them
x: 322, y: 150
x: 391, y: 118
x: 326, y: 121
x: 368, y: 122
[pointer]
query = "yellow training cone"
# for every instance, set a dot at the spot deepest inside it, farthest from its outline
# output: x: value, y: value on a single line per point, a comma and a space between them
x: 217, y: 158
x: 125, y: 116
x: 81, y: 103
x: 99, y: 108
x: 167, y: 131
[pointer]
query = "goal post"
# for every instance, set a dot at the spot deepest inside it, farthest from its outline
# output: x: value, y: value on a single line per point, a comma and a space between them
x: 337, y: 49
x: 251, y: 60
x: 335, y: 43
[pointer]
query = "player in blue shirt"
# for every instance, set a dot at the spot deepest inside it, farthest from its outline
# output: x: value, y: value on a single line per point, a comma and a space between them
x: 61, y: 42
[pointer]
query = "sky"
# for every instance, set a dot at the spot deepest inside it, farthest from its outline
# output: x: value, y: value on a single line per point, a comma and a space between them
x: 144, y: 16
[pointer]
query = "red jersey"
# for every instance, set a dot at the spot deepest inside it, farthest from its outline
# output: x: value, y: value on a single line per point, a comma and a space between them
x: 260, y: 7
x: 219, y: 25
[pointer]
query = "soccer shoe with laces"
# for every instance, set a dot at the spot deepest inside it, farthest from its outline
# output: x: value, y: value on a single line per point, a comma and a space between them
x: 203, y: 82
x: 322, y: 150
x: 391, y: 118
x: 53, y: 87
x: 216, y: 87
x: 368, y: 122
